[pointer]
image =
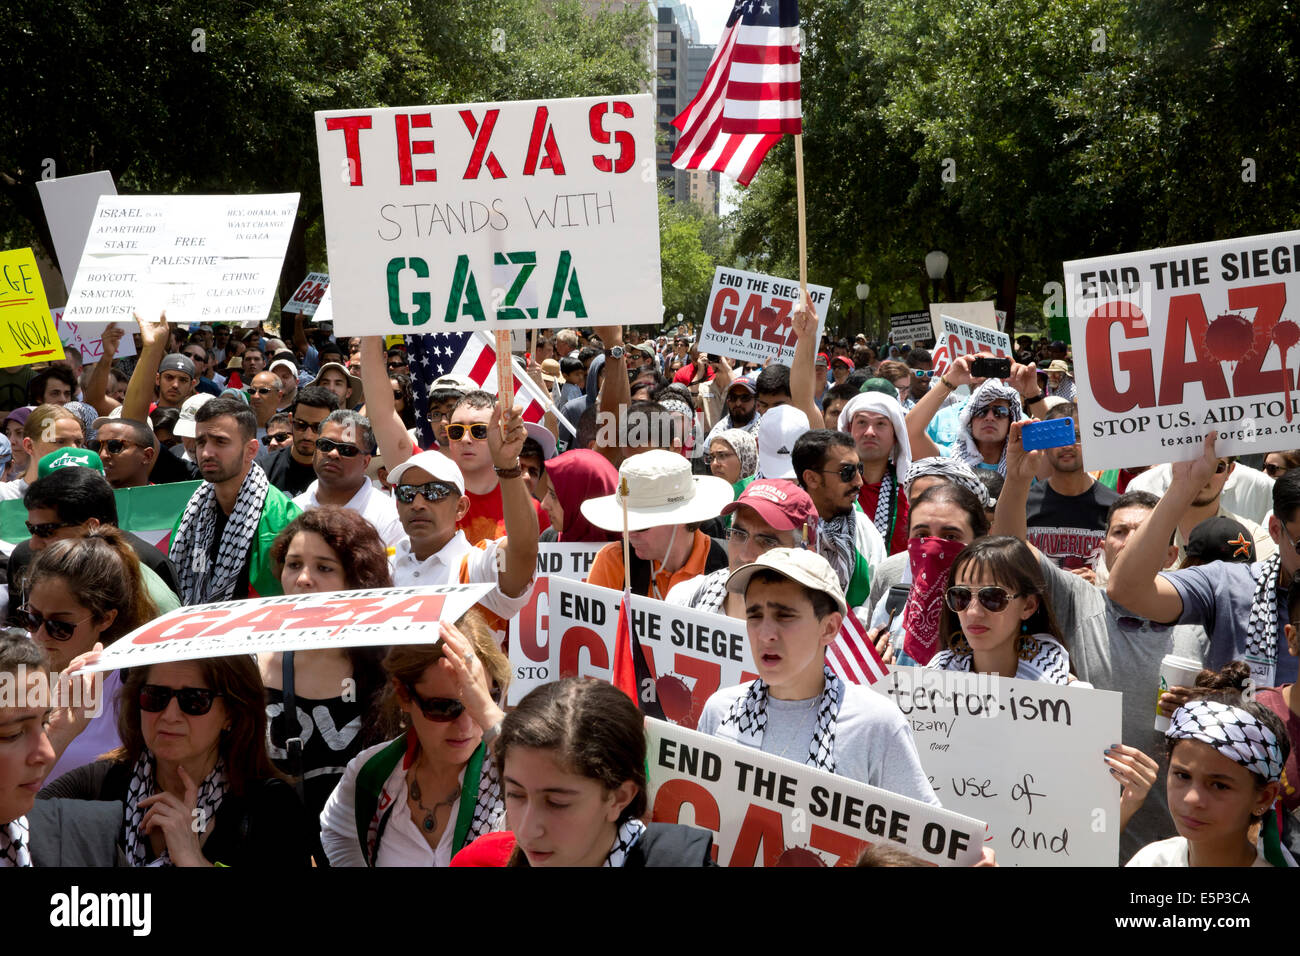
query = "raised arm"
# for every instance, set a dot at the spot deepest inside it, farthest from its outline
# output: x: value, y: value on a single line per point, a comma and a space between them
x: 923, y: 412
x: 615, y: 392
x: 1009, y: 517
x: 803, y: 366
x: 390, y: 434
x: 97, y: 396
x: 522, y: 532
x: 140, y: 390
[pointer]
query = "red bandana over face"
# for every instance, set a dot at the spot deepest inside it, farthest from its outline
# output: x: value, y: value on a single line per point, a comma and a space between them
x: 931, y: 559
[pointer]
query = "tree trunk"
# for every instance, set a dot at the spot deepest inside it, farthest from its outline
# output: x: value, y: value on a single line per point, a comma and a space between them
x: 1008, y: 285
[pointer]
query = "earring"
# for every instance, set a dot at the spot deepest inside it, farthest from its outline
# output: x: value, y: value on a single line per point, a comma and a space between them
x: 1024, y: 628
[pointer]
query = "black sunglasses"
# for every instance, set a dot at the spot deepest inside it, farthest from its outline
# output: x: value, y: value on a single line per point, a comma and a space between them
x: 441, y: 710
x: 325, y: 446
x: 195, y: 701
x: 845, y: 472
x: 59, y: 630
x: 992, y: 597
x: 261, y: 390
x: 301, y: 426
x: 999, y: 411
x: 1273, y: 471
x: 432, y: 490
x: 479, y: 431
x: 46, y: 529
x: 280, y: 436
x: 115, y: 446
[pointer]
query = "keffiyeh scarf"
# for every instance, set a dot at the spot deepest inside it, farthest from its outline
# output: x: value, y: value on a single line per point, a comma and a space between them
x: 190, y: 548
x: 1261, y: 628
x: 1042, y: 658
x: 836, y: 543
x: 1233, y: 732
x: 711, y: 595
x: 884, y: 506
x: 211, y: 792
x: 991, y: 391
x: 749, y: 716
x: 629, y: 834
x: 951, y: 469
x: 16, y: 843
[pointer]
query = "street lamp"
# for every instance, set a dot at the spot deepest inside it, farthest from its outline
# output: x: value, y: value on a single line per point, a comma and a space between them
x: 936, y: 267
x: 864, y: 290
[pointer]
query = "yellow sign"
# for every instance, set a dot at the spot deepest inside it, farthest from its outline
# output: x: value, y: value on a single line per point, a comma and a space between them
x: 391, y: 340
x: 27, y: 333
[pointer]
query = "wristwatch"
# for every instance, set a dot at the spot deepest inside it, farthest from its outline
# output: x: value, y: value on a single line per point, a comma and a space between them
x: 615, y: 352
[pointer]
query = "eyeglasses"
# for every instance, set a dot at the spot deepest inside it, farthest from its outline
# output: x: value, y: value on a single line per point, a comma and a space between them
x: 992, y: 597
x: 261, y: 390
x: 718, y: 456
x: 923, y: 372
x: 280, y: 436
x: 59, y: 630
x: 325, y: 446
x: 479, y: 431
x: 47, y: 529
x: 1136, y: 624
x: 764, y: 542
x: 1274, y: 471
x: 195, y: 701
x: 845, y: 472
x: 301, y: 426
x: 194, y: 357
x: 432, y: 490
x: 115, y: 446
x: 999, y: 411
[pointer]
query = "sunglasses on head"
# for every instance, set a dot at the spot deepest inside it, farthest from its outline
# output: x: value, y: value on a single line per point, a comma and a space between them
x: 993, y: 598
x: 195, y: 701
x: 280, y: 436
x: 846, y: 472
x: 46, y: 529
x: 479, y: 431
x: 325, y: 446
x: 432, y: 490
x: 59, y: 630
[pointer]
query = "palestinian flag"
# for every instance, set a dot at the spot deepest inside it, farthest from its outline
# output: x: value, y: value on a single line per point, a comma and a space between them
x: 631, y: 672
x: 147, y: 512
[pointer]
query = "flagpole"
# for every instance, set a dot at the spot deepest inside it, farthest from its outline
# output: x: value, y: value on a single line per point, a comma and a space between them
x: 627, y: 557
x: 505, y: 374
x: 803, y: 228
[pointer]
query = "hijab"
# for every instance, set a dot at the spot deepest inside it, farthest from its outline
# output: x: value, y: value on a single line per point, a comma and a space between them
x: 575, y: 477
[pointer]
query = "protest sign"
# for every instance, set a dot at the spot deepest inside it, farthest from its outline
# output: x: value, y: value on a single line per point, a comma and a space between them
x: 89, y: 340
x: 1170, y: 344
x: 954, y: 338
x: 527, y: 214
x: 27, y: 333
x: 908, y: 328
x: 748, y: 316
x: 308, y: 296
x: 1023, y: 755
x: 69, y: 205
x: 690, y: 653
x: 769, y: 811
x: 529, y: 630
x: 973, y: 313
x: 200, y: 258
x: 294, y: 622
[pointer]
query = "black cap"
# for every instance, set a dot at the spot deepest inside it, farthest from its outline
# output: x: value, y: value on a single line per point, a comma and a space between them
x: 1221, y: 539
x: 178, y: 363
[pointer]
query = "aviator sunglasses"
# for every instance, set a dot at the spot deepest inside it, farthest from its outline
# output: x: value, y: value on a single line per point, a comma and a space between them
x: 992, y: 597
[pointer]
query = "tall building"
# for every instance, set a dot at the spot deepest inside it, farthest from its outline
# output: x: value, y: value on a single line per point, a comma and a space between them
x: 681, y: 64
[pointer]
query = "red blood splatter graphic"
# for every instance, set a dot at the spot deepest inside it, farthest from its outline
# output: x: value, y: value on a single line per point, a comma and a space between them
x: 799, y: 856
x: 1229, y: 337
x: 1286, y: 334
x: 674, y: 698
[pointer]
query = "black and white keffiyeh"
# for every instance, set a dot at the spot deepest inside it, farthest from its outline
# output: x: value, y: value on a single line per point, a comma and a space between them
x: 1261, y: 628
x: 190, y: 548
x: 628, y: 836
x: 836, y: 542
x: 211, y: 792
x: 951, y: 469
x: 884, y: 506
x: 749, y: 716
x: 489, y: 808
x: 711, y: 595
x: 991, y: 391
x: 16, y: 843
x: 1233, y: 732
x: 1040, y: 657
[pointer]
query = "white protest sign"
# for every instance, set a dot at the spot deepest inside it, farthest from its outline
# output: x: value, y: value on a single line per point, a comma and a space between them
x: 690, y: 653
x: 200, y: 258
x: 309, y: 294
x: 1023, y: 755
x: 748, y: 316
x: 325, y: 310
x: 910, y: 327
x: 974, y: 313
x: 1170, y: 344
x: 954, y: 338
x: 89, y: 341
x: 69, y: 205
x: 526, y: 214
x: 529, y: 632
x: 296, y: 622
x: 769, y: 811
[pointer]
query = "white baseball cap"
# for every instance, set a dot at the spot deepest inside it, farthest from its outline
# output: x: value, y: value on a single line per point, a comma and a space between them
x: 186, y: 426
x: 799, y: 565
x: 542, y: 435
x: 435, y: 463
x: 778, y: 430
x: 660, y: 491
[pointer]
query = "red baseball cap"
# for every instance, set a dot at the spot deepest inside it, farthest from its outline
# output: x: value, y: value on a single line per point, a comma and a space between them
x: 841, y: 358
x: 782, y: 504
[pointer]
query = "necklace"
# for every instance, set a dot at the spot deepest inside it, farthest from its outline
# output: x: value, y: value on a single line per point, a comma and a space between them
x: 430, y: 821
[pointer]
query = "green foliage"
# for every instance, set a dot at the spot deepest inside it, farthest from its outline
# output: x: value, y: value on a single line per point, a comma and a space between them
x: 685, y: 265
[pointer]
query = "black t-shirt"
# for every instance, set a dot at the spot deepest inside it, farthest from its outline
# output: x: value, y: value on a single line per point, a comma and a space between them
x: 1069, y: 529
x: 242, y: 585
x: 168, y: 468
x: 284, y: 471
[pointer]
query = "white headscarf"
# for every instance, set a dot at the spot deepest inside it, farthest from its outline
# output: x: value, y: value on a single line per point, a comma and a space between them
x: 881, y: 404
x: 991, y: 391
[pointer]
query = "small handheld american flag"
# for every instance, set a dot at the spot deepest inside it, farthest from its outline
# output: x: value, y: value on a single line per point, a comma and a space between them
x: 853, y: 656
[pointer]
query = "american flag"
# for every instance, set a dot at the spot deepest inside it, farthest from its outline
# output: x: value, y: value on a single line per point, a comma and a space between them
x: 853, y: 656
x: 471, y: 354
x: 750, y: 95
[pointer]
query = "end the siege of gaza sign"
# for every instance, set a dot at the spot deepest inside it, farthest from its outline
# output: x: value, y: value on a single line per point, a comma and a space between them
x: 1170, y: 344
x: 526, y: 214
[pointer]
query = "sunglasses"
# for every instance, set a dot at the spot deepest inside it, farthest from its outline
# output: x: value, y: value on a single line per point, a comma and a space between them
x: 47, y: 529
x: 301, y: 426
x: 992, y: 597
x: 923, y: 373
x: 1221, y: 467
x: 393, y: 366
x: 325, y: 446
x: 195, y: 701
x: 432, y: 490
x: 999, y: 411
x: 261, y: 390
x: 59, y: 630
x: 397, y: 396
x: 1274, y: 471
x: 115, y: 446
x: 440, y: 710
x: 280, y: 436
x: 846, y: 472
x: 479, y: 431
x: 196, y: 358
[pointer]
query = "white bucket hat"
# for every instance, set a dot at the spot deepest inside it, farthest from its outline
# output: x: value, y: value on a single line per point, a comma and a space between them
x: 660, y: 491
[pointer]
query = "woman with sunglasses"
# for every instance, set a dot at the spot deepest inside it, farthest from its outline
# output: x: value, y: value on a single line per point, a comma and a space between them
x: 322, y: 706
x: 192, y: 774
x: 418, y: 799
x: 1278, y: 463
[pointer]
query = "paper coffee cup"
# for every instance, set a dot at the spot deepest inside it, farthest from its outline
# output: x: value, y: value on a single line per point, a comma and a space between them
x: 1175, y: 671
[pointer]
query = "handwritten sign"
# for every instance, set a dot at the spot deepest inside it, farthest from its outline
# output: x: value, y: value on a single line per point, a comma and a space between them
x: 1023, y: 755
x: 690, y: 653
x: 69, y: 203
x: 27, y: 333
x: 748, y: 316
x: 201, y: 258
x: 954, y: 338
x: 910, y: 327
x: 308, y: 296
x: 769, y: 811
x: 528, y: 214
x: 1170, y: 344
x: 89, y: 341
x: 294, y: 622
x: 530, y: 627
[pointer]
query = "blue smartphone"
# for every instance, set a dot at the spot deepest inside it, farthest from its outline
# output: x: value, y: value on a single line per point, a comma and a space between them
x: 1053, y: 433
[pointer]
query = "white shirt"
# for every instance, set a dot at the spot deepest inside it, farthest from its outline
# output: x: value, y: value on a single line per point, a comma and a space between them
x: 11, y: 490
x: 371, y: 504
x: 1172, y: 852
x: 444, y: 568
x: 1247, y: 492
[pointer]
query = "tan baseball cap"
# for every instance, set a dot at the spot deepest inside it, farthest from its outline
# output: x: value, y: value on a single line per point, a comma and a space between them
x: 803, y: 567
